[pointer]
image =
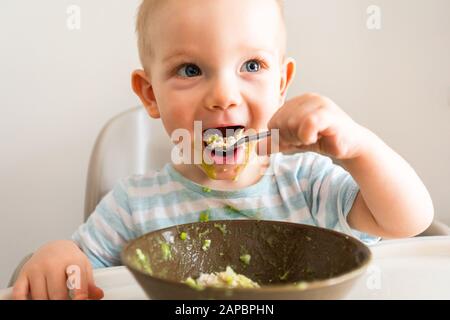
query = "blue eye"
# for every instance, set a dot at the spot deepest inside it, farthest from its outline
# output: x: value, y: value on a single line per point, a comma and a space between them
x: 252, y: 66
x: 189, y: 71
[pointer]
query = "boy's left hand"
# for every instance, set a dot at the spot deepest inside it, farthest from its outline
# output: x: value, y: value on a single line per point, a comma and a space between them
x: 314, y: 123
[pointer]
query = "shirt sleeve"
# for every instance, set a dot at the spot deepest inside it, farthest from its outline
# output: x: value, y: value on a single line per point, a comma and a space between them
x: 107, y: 230
x: 330, y: 193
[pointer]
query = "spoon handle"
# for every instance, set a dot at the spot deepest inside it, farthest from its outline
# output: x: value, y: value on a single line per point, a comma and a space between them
x: 258, y: 136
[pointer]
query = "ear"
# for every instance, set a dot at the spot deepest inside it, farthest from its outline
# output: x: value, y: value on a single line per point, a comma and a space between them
x: 287, y: 75
x: 144, y: 90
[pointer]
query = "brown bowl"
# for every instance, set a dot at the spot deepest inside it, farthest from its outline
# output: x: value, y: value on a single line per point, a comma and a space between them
x: 288, y: 260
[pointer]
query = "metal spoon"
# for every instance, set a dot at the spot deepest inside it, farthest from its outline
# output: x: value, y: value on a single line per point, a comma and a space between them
x: 246, y: 139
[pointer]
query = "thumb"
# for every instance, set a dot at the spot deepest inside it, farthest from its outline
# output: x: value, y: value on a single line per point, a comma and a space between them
x: 94, y: 292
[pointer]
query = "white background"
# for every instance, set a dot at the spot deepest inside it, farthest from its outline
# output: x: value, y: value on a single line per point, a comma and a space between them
x: 58, y: 87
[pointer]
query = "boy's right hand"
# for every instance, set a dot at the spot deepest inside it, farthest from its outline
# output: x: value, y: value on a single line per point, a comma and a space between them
x: 44, y: 275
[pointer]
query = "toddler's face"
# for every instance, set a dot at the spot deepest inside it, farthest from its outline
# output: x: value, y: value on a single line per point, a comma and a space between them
x: 219, y: 62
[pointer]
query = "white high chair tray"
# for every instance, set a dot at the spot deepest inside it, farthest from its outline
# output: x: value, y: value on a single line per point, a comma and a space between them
x: 416, y: 268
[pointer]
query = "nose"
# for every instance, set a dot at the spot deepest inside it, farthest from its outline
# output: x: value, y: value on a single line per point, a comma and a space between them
x: 223, y: 93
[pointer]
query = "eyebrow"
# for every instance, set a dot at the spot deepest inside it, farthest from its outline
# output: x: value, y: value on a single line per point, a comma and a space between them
x: 265, y: 49
x: 185, y: 53
x: 176, y: 54
x: 262, y: 50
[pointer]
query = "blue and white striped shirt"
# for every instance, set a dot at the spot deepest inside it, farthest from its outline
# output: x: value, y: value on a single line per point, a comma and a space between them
x: 303, y: 188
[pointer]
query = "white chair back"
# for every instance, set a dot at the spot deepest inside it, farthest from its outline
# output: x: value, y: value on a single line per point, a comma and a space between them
x: 130, y: 143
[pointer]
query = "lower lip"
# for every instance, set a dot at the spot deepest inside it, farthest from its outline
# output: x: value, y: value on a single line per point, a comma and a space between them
x: 235, y: 158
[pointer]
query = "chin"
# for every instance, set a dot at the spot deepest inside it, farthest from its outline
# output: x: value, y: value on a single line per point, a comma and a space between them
x: 228, y: 172
x: 229, y: 169
x: 224, y: 172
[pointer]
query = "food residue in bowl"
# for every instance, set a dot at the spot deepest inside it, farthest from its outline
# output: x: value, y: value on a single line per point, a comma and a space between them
x: 284, y: 276
x: 166, y: 251
x: 206, y: 244
x: 204, y: 233
x: 245, y: 259
x: 143, y: 261
x: 221, y: 227
x: 226, y: 279
x: 183, y: 236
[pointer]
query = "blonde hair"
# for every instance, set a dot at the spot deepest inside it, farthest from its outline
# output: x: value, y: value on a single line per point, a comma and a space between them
x: 142, y: 22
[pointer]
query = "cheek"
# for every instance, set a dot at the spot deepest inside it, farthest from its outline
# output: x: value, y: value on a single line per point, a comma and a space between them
x: 265, y: 99
x: 176, y: 117
x: 177, y: 109
x: 262, y: 116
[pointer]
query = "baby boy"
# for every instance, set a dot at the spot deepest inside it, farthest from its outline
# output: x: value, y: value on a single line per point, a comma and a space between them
x: 222, y: 64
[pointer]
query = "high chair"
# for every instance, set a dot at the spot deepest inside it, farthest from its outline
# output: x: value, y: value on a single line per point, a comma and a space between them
x: 130, y: 143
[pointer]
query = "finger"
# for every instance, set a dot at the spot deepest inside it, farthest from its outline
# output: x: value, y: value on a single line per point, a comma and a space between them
x: 298, y: 104
x: 95, y: 292
x: 311, y: 127
x: 57, y: 286
x: 38, y: 286
x: 21, y: 288
x: 289, y: 120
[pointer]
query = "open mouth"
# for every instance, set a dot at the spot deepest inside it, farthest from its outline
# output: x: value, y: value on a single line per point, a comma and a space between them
x: 218, y: 139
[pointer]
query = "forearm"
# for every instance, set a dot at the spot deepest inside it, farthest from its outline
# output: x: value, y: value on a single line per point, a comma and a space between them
x: 395, y: 196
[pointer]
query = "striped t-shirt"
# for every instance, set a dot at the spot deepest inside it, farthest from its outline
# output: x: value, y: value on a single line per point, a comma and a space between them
x: 304, y: 188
